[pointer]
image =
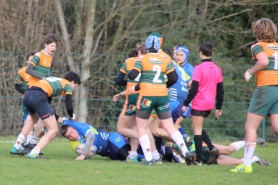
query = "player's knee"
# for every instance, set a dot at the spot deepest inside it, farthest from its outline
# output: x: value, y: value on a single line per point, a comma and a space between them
x: 154, y: 132
x: 229, y: 150
x: 54, y: 132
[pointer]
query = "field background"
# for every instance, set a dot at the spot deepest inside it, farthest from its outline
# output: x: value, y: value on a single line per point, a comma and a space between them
x: 61, y: 168
x: 95, y: 38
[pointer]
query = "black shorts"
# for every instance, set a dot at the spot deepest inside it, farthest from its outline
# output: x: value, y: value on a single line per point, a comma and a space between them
x: 204, y: 113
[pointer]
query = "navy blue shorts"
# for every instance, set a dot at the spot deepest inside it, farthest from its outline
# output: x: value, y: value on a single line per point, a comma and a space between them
x: 118, y: 147
x: 176, y: 110
x: 36, y: 100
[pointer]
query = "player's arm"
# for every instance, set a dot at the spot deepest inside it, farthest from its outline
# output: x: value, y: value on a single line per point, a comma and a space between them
x: 69, y: 106
x: 172, y: 78
x: 18, y: 83
x: 90, y: 138
x: 117, y: 96
x: 19, y: 88
x: 30, y: 70
x: 189, y: 84
x: 133, y: 74
x: 119, y: 80
x: 192, y: 93
x: 219, y: 95
x: 262, y: 62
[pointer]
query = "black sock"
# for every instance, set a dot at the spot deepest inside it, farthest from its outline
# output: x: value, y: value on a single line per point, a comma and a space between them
x: 198, y: 145
x: 168, y: 156
x: 207, y: 140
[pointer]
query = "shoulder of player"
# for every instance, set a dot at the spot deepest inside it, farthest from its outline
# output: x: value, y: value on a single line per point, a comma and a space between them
x: 38, y: 54
x: 64, y: 81
x: 131, y: 59
x: 155, y: 56
x: 189, y: 64
x: 22, y: 70
x: 259, y: 44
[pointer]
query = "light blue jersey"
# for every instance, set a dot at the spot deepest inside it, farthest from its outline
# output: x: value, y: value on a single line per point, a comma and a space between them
x: 101, y: 137
x: 188, y: 69
x: 179, y: 90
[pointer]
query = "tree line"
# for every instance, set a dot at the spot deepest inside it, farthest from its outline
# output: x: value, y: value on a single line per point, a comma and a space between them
x: 96, y: 36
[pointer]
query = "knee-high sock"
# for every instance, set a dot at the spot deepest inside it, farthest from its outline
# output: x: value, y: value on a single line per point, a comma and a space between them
x: 248, y: 153
x: 206, y: 139
x: 146, y: 146
x: 177, y: 137
x: 238, y: 144
x: 198, y: 145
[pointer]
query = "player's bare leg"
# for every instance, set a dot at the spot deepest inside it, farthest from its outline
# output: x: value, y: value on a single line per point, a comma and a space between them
x: 154, y: 124
x: 29, y: 123
x: 134, y: 142
x: 52, y: 126
x: 123, y: 126
x: 34, y: 139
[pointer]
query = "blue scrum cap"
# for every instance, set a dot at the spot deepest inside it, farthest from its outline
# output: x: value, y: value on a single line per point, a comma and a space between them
x: 185, y: 50
x: 152, y: 42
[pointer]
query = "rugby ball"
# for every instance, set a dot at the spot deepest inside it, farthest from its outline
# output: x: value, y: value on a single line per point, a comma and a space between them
x: 92, y: 151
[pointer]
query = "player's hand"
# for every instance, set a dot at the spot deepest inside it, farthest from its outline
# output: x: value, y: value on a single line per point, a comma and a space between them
x: 116, y: 97
x: 132, y: 89
x: 247, y: 75
x: 73, y: 117
x: 218, y: 113
x: 61, y: 119
x: 80, y: 158
x: 184, y: 108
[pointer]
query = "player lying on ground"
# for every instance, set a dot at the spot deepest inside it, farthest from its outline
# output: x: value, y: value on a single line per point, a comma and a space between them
x: 110, y: 144
x: 222, y: 158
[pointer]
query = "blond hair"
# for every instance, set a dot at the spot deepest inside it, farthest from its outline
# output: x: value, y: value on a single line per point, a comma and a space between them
x: 264, y: 30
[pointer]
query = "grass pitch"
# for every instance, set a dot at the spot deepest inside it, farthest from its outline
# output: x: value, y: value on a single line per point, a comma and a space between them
x: 61, y: 168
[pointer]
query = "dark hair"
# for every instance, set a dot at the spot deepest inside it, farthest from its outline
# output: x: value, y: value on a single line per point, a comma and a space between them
x: 133, y: 53
x: 28, y: 55
x: 51, y: 38
x: 206, y: 48
x: 72, y: 76
x: 152, y: 49
x: 167, y: 51
x: 64, y: 130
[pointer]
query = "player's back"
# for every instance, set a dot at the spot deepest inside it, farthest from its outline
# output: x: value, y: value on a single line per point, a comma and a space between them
x: 153, y: 67
x: 101, y: 141
x: 23, y: 78
x: 269, y: 75
x: 54, y: 86
x: 164, y: 55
